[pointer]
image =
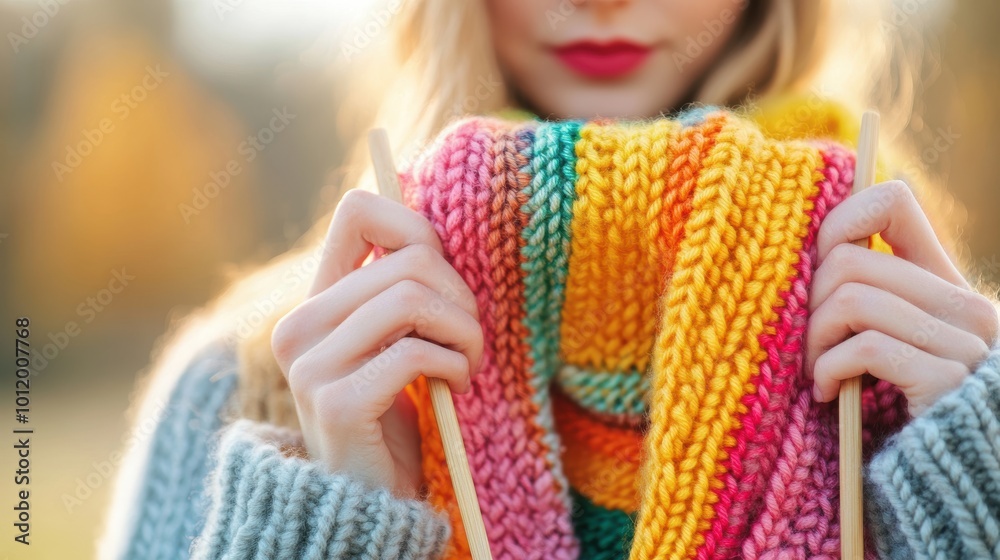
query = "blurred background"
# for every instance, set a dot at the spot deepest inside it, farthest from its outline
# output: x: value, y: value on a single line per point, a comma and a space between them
x: 160, y: 144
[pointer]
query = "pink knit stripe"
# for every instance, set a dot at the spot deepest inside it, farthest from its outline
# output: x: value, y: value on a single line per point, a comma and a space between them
x: 525, y: 515
x: 800, y: 507
x: 443, y: 187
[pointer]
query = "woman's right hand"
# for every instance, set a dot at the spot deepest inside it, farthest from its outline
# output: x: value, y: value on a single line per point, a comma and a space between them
x: 365, y: 332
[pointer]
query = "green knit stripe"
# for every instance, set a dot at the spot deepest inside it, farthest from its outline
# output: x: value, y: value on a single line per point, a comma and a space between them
x: 604, y: 534
x: 551, y: 194
x: 616, y: 393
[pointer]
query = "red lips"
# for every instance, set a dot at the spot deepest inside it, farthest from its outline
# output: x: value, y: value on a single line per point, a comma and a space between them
x: 603, y: 59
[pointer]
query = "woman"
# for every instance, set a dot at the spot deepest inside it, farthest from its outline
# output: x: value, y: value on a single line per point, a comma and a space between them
x: 259, y: 451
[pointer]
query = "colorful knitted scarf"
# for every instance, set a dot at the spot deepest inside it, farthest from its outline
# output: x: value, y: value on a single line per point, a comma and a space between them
x: 642, y: 287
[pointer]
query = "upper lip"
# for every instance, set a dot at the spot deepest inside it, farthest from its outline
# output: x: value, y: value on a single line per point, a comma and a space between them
x: 607, y: 46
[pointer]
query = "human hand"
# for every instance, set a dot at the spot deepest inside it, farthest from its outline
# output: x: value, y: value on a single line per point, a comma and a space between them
x: 365, y: 332
x: 909, y: 318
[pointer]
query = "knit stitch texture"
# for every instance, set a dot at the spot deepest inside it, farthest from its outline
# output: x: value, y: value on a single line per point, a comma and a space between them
x: 934, y: 492
x: 642, y: 287
x: 643, y: 292
x: 266, y: 504
x: 909, y: 509
x: 217, y: 490
x: 170, y: 504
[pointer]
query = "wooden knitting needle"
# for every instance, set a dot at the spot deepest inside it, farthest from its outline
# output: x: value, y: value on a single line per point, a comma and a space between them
x: 851, y: 507
x: 441, y: 401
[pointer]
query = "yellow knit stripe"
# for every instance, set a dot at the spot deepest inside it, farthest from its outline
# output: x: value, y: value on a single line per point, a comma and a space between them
x: 811, y: 116
x: 609, y: 315
x: 806, y: 115
x: 749, y: 214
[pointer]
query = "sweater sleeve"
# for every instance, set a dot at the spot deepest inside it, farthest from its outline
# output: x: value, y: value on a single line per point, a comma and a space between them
x: 202, y: 486
x: 934, y: 490
x: 266, y: 503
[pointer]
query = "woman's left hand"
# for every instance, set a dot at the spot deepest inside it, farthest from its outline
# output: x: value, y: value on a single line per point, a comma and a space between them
x: 909, y: 318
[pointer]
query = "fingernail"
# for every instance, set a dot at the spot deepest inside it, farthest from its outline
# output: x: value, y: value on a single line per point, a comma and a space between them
x: 817, y: 394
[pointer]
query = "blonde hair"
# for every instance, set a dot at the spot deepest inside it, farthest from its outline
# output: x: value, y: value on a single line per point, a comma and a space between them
x: 441, y: 47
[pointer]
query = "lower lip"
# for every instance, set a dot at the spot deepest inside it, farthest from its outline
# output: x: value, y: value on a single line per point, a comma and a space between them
x: 598, y: 62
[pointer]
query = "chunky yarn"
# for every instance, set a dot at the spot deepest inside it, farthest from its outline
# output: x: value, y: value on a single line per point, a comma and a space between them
x: 642, y: 288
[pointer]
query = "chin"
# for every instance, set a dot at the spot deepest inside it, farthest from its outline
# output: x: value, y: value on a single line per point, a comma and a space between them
x: 589, y: 103
x: 557, y: 94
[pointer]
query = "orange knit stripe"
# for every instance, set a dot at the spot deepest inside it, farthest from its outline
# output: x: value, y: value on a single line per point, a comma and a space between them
x: 694, y: 144
x: 504, y: 243
x: 436, y: 473
x: 601, y: 461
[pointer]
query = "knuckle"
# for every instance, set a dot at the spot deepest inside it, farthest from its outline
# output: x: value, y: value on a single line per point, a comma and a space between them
x: 465, y: 365
x: 955, y: 373
x: 427, y: 231
x: 298, y: 374
x: 985, y: 319
x: 898, y: 191
x: 844, y: 258
x: 479, y: 351
x: 408, y: 294
x: 980, y: 352
x: 283, y: 340
x: 478, y: 338
x: 849, y: 296
x: 353, y: 204
x: 459, y: 360
x: 356, y: 198
x: 335, y: 405
x: 821, y: 368
x: 870, y: 345
x: 411, y: 351
x: 420, y: 256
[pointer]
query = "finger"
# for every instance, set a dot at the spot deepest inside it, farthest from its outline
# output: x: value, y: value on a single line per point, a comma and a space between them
x: 855, y: 308
x: 889, y: 209
x: 371, y: 390
x: 921, y: 376
x: 313, y: 319
x: 406, y: 307
x: 965, y: 309
x: 361, y: 221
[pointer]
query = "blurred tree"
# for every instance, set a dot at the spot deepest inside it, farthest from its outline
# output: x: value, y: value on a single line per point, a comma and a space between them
x: 129, y: 138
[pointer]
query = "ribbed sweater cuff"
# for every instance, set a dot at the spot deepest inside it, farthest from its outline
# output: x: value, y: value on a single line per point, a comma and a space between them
x: 267, y: 504
x: 934, y: 490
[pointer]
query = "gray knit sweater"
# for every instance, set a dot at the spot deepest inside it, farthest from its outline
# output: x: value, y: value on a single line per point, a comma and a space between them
x: 202, y: 487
